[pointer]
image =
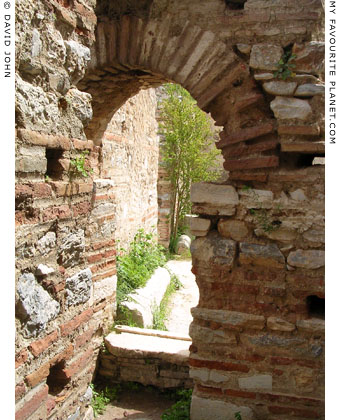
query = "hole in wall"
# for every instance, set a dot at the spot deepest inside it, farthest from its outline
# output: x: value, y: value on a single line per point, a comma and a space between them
x: 57, y: 379
x: 316, y: 306
x: 235, y: 4
x: 299, y: 160
x: 54, y: 167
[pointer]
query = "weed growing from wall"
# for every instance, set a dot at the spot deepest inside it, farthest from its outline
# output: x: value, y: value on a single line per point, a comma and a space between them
x: 285, y: 66
x: 78, y: 167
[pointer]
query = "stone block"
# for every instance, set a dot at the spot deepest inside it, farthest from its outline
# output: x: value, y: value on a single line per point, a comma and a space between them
x: 183, y: 244
x: 298, y: 195
x: 313, y: 325
x: 278, y: 324
x: 136, y: 346
x: 214, y: 249
x: 77, y: 58
x: 310, y: 259
x: 234, y: 229
x: 237, y: 320
x: 71, y: 248
x: 256, y: 199
x: 216, y: 199
x: 81, y: 104
x: 261, y: 255
x: 219, y: 377
x: 206, y: 408
x: 309, y: 89
x: 104, y: 288
x: 89, y: 414
x: 201, y: 375
x: 35, y: 306
x: 256, y: 382
x: 316, y: 235
x: 290, y: 108
x: 264, y: 76
x: 78, y: 287
x: 265, y: 56
x: 44, y: 270
x: 280, y: 88
x: 75, y: 415
x: 310, y: 57
x: 281, y: 234
x: 199, y: 226
x: 31, y: 164
x: 207, y: 335
x: 244, y: 48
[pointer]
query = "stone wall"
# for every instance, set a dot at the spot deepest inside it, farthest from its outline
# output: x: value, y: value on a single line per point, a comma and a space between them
x: 130, y: 159
x: 257, y: 338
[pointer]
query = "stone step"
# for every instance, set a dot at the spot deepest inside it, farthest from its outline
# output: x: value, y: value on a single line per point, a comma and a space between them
x: 148, y: 359
x: 134, y: 345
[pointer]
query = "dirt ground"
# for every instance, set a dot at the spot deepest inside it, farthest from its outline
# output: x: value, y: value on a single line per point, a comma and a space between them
x: 147, y: 403
x: 142, y: 404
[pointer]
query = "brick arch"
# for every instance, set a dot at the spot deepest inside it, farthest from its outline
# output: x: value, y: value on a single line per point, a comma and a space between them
x: 254, y: 350
x: 132, y: 54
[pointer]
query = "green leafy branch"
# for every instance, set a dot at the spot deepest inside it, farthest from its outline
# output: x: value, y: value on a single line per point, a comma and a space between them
x: 285, y: 66
x: 78, y: 166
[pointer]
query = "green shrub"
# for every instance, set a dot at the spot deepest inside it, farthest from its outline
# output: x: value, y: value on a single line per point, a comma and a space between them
x: 135, y: 266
